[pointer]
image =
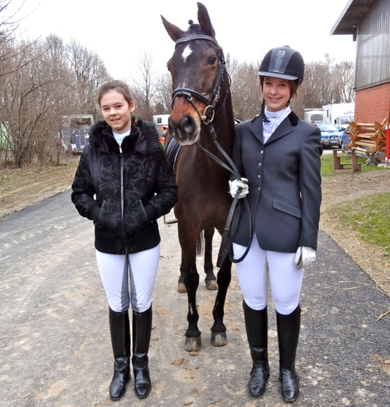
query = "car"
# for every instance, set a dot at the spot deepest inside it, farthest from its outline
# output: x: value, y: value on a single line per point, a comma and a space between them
x: 330, y: 135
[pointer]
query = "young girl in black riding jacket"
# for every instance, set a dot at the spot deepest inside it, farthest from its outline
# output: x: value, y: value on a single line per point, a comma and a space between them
x: 123, y: 184
x: 279, y: 156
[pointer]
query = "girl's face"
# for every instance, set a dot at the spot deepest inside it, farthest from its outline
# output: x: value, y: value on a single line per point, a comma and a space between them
x: 117, y: 111
x: 276, y: 93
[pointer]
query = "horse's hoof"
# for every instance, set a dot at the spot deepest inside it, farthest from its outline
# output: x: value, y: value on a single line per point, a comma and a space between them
x: 219, y: 338
x: 193, y: 344
x: 181, y: 288
x: 211, y: 285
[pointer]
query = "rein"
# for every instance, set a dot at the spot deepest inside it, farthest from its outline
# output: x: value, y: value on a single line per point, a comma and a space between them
x: 230, y: 229
x: 207, y: 118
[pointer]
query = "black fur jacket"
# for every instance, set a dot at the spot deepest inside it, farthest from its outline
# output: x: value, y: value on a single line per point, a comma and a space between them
x: 124, y: 190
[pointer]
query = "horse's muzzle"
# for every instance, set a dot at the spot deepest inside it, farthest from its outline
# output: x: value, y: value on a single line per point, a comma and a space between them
x: 186, y: 131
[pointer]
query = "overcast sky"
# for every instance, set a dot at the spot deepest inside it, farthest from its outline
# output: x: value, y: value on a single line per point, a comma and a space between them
x: 118, y: 29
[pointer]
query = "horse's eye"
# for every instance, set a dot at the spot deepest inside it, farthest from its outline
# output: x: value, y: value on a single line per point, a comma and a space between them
x: 211, y: 60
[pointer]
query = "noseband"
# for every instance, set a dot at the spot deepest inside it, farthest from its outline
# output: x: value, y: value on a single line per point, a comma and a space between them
x: 209, y: 112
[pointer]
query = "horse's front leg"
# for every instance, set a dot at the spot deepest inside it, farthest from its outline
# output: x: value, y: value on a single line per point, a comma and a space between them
x: 210, y: 280
x: 193, y: 341
x: 181, y: 287
x: 218, y: 330
x: 187, y: 239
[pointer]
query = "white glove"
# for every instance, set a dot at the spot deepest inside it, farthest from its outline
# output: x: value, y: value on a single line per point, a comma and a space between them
x: 304, y: 257
x: 239, y: 183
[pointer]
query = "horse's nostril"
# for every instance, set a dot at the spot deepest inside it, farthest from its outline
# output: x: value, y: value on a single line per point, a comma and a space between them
x: 187, y: 124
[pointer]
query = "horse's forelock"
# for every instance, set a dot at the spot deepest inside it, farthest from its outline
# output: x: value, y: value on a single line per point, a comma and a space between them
x: 195, y: 29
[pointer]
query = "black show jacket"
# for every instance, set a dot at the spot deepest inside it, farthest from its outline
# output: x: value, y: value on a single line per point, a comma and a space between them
x: 284, y: 183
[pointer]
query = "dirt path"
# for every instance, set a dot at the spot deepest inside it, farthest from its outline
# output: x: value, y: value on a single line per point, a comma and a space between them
x: 23, y: 188
x: 56, y: 349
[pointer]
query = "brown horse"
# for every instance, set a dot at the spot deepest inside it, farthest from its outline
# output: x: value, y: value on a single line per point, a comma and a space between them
x: 201, y: 110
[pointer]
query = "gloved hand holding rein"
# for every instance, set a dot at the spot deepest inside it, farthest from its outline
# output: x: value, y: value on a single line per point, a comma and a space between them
x: 239, y: 183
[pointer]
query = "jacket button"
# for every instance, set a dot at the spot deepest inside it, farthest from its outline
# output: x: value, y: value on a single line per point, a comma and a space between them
x: 259, y: 176
x: 262, y: 151
x: 258, y: 188
x: 259, y: 164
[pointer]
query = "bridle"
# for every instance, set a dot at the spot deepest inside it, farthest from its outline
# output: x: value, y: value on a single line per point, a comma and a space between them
x: 209, y: 112
x: 207, y: 119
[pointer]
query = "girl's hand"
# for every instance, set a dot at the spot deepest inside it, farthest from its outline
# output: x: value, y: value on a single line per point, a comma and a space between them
x: 239, y: 183
x: 304, y: 257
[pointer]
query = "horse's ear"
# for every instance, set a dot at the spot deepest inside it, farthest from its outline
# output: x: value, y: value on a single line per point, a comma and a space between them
x: 204, y: 20
x: 174, y: 32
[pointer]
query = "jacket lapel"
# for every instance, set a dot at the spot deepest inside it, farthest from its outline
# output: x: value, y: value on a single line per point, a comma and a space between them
x: 283, y: 129
x: 257, y: 128
x: 286, y: 127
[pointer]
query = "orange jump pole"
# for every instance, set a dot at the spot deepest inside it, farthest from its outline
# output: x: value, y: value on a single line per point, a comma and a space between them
x: 388, y: 139
x: 388, y: 144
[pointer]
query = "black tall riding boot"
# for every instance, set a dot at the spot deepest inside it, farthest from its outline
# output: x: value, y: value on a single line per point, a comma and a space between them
x: 120, y: 339
x: 288, y: 334
x: 142, y: 328
x: 256, y: 323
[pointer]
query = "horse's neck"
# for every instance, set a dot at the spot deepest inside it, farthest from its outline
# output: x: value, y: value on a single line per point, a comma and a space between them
x: 224, y: 126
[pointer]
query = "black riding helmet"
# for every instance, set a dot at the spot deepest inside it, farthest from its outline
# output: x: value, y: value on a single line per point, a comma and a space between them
x: 283, y: 62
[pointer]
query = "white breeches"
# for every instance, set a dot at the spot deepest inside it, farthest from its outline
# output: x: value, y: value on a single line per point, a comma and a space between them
x: 259, y: 265
x: 115, y: 271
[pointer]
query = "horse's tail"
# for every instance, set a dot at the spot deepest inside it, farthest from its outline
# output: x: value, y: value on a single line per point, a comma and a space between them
x: 199, y: 243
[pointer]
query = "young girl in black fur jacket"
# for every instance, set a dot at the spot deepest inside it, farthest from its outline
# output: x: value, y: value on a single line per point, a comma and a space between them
x: 123, y: 184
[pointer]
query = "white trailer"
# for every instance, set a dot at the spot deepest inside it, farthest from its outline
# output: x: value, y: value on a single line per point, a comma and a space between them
x: 339, y: 114
x: 314, y: 115
x: 161, y: 119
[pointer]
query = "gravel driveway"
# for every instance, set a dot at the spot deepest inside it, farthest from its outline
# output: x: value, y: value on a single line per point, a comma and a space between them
x: 55, y: 345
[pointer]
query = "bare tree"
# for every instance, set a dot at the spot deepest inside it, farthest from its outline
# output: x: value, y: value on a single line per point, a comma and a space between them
x: 41, y: 89
x: 41, y: 81
x: 343, y: 76
x: 163, y: 98
x: 23, y: 107
x: 245, y: 89
x: 8, y: 25
x: 10, y: 18
x: 145, y: 85
x: 89, y: 73
x: 328, y: 82
x: 317, y: 84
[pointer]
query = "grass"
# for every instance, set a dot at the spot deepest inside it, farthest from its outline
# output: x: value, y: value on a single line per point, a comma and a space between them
x: 369, y: 216
x: 327, y: 166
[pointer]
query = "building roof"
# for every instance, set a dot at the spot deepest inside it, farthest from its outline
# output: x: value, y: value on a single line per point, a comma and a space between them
x: 350, y: 17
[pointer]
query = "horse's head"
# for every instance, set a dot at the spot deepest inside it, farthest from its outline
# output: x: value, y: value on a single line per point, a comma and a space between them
x: 197, y: 68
